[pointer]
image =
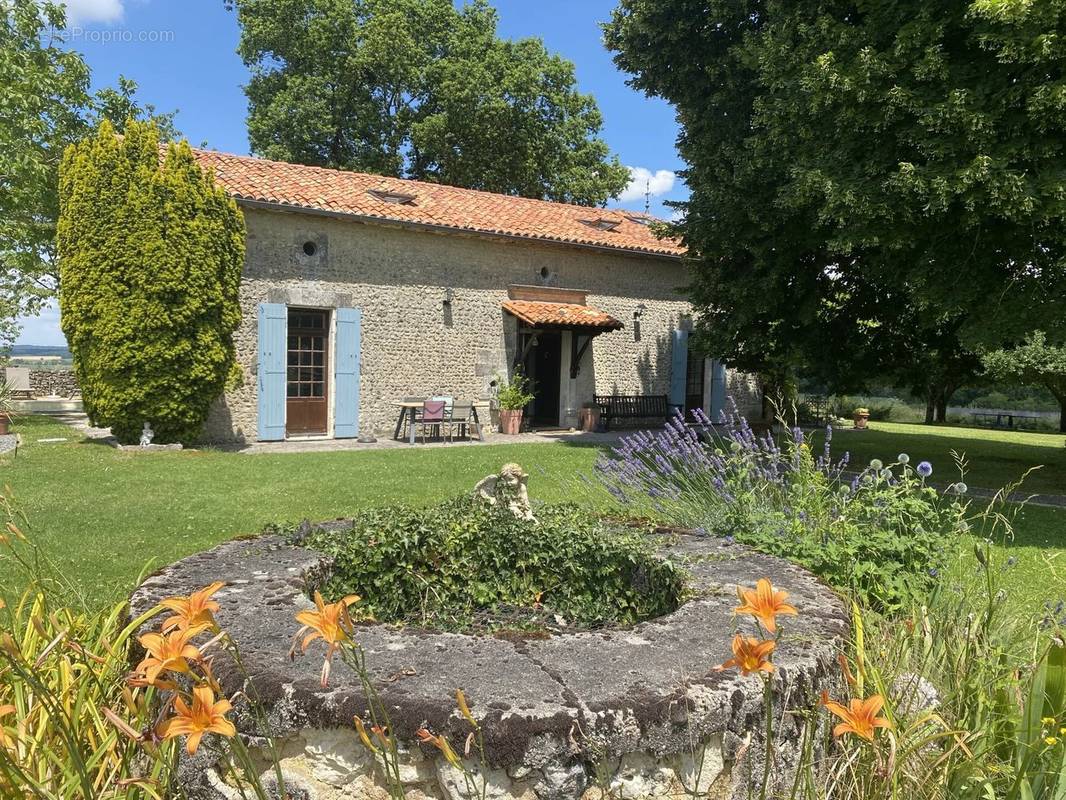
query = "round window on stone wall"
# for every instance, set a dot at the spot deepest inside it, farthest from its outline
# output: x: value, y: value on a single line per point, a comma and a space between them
x: 310, y: 248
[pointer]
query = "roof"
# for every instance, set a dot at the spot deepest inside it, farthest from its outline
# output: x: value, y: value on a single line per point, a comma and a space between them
x: 396, y: 200
x: 569, y: 315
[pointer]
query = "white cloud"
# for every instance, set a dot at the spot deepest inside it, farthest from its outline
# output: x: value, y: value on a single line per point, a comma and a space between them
x: 82, y: 11
x: 643, y: 180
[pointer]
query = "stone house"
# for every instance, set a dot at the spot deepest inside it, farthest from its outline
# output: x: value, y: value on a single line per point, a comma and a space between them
x: 359, y: 290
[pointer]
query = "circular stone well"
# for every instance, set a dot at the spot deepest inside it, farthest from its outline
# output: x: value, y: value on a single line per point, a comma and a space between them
x: 639, y: 712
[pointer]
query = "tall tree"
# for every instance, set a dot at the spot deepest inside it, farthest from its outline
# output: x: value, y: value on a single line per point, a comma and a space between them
x: 910, y: 150
x: 151, y: 252
x: 45, y: 106
x: 1035, y: 361
x: 420, y: 89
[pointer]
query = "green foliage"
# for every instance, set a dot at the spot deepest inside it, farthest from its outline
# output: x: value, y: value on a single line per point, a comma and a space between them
x: 886, y: 540
x: 443, y: 565
x: 421, y: 89
x: 871, y: 183
x: 1036, y: 360
x: 151, y: 252
x: 514, y: 394
x: 46, y: 107
x: 882, y: 536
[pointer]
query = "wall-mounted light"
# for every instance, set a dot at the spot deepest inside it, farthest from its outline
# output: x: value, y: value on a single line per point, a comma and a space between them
x: 638, y: 314
x: 449, y: 295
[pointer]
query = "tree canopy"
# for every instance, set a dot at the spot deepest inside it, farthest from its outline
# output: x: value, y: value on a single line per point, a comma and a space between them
x: 46, y: 106
x: 1034, y: 361
x: 864, y: 176
x: 421, y: 89
x: 151, y: 251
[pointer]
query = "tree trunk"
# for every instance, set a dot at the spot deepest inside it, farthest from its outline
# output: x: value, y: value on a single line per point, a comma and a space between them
x: 1062, y: 415
x: 930, y: 408
x: 941, y: 410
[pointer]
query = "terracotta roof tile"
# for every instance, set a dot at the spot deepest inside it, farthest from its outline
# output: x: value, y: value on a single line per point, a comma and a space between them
x: 534, y: 312
x: 360, y: 194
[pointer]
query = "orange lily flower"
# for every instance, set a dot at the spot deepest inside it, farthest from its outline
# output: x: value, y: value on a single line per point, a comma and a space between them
x: 195, y: 612
x: 750, y: 655
x: 441, y: 744
x: 763, y: 603
x: 166, y: 653
x: 205, y: 716
x: 859, y: 716
x: 331, y: 623
x: 5, y: 739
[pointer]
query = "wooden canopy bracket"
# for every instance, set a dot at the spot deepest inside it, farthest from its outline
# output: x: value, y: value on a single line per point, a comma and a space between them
x: 577, y: 353
x: 531, y: 340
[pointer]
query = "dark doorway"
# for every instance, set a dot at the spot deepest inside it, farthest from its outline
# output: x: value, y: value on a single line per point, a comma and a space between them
x: 307, y: 387
x: 694, y: 375
x: 543, y: 364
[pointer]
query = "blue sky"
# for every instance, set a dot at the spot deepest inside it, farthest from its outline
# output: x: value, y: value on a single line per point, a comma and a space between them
x: 182, y: 54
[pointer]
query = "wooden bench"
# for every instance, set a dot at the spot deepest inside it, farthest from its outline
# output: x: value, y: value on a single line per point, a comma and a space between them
x: 632, y: 406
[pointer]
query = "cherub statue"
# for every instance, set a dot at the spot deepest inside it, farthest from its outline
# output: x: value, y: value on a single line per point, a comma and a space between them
x: 147, y: 434
x: 508, y: 488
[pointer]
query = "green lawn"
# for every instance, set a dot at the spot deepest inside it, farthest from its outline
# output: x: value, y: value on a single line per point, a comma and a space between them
x: 102, y: 515
x: 995, y: 456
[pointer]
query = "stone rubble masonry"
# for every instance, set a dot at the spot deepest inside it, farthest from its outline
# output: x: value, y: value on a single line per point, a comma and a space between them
x: 414, y: 344
x: 640, y: 711
x: 46, y: 382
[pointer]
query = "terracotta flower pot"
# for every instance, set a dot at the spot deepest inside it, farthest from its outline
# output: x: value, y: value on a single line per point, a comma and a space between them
x: 510, y: 420
x: 860, y: 420
x: 5, y: 424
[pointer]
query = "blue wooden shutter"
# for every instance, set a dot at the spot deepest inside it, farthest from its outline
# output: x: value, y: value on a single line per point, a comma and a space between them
x: 717, y: 390
x: 346, y: 373
x: 273, y: 321
x: 679, y: 369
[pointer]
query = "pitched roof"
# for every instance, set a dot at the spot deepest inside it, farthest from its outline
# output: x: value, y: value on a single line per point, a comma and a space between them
x: 448, y: 207
x: 568, y: 315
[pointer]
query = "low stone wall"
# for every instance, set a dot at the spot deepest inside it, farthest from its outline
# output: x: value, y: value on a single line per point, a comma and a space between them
x: 46, y: 382
x: 637, y: 713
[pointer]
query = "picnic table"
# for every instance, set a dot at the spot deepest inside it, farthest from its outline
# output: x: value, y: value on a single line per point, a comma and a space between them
x: 999, y: 415
x: 409, y: 413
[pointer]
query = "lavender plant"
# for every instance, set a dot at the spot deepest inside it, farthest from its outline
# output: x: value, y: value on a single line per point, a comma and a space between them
x: 879, y: 531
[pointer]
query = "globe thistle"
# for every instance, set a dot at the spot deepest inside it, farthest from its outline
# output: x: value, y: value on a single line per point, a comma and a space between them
x: 925, y: 469
x: 903, y: 458
x: 876, y: 465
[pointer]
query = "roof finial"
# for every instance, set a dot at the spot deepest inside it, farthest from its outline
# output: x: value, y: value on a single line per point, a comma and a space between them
x: 647, y: 196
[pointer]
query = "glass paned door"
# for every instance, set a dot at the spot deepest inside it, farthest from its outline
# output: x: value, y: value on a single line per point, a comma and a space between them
x: 307, y: 385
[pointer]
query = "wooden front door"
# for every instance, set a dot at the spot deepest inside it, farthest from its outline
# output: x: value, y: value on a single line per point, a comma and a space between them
x: 307, y: 387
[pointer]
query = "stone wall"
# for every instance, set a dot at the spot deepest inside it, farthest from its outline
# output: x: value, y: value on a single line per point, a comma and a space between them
x: 44, y: 382
x: 414, y: 344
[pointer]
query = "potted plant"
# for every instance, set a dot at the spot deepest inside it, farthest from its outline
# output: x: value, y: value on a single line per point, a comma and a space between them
x: 860, y: 416
x: 513, y: 397
x: 7, y: 407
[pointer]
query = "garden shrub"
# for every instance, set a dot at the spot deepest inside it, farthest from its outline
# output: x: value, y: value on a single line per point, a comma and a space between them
x: 150, y: 256
x: 460, y: 562
x: 882, y: 533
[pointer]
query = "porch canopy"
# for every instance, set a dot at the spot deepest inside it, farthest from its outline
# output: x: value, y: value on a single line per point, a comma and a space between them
x: 549, y: 307
x: 541, y: 308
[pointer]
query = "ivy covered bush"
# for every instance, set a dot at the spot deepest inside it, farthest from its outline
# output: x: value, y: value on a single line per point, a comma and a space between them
x: 150, y: 256
x: 462, y: 563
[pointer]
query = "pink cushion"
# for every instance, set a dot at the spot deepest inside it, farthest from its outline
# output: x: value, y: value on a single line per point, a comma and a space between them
x: 433, y: 411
